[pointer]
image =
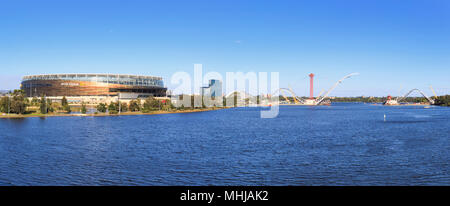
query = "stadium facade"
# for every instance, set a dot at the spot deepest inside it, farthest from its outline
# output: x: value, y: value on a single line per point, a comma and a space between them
x: 93, y: 85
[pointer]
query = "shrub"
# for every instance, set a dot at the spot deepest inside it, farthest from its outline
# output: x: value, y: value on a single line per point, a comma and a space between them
x: 83, y: 108
x: 135, y: 105
x: 101, y: 107
x: 151, y: 104
x: 113, y: 108
x: 123, y: 107
x: 67, y: 109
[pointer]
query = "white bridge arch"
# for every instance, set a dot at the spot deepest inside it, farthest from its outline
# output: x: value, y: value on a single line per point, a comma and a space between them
x: 412, y: 90
x: 318, y: 99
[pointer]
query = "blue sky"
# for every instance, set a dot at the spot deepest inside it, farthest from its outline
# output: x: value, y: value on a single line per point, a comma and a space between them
x: 394, y: 45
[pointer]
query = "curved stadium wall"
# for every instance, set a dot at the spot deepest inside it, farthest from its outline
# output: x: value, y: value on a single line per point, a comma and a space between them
x: 92, y: 85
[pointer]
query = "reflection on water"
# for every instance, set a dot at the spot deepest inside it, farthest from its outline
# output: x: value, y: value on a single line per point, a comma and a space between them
x: 345, y: 144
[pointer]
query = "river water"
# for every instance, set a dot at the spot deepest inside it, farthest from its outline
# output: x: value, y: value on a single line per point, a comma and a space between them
x: 342, y: 144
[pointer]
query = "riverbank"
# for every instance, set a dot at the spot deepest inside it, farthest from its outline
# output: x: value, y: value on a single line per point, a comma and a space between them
x: 5, y: 116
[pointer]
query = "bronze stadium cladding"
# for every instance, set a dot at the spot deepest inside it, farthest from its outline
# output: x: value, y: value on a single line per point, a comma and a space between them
x: 84, y: 88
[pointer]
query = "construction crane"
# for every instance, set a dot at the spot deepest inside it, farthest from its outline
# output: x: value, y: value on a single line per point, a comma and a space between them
x: 294, y: 95
x: 297, y: 100
x: 284, y: 96
x: 435, y: 96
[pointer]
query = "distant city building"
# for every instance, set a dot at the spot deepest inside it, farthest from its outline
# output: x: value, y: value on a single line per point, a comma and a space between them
x: 98, y: 85
x: 214, y: 89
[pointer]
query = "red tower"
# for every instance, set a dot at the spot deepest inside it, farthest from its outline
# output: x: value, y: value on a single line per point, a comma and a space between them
x: 311, y: 86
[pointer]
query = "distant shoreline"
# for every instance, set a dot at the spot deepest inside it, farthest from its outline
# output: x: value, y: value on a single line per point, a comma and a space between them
x: 10, y: 116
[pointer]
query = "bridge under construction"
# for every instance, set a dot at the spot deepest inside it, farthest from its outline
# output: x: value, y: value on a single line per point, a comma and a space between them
x: 319, y: 100
x: 396, y: 101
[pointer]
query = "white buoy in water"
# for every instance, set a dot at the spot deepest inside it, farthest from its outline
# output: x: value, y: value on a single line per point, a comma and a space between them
x: 384, y: 117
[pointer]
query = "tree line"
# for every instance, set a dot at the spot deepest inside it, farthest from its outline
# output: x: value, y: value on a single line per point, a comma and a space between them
x: 16, y: 103
x: 443, y: 100
x: 150, y: 104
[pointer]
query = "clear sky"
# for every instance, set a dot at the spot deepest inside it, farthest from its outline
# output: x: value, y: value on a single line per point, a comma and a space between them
x: 394, y: 45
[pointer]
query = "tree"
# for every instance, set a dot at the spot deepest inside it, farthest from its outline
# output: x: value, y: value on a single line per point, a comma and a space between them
x: 151, y: 104
x: 64, y: 101
x: 43, y: 105
x: 135, y: 105
x: 83, y: 108
x: 18, y: 104
x: 443, y: 100
x: 66, y: 108
x: 166, y: 105
x: 4, y: 104
x: 65, y: 105
x: 35, y: 101
x: 101, y: 107
x: 26, y: 101
x: 123, y: 107
x: 50, y: 107
x: 113, y: 108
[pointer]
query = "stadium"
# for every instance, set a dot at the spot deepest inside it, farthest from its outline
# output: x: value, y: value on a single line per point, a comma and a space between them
x: 95, y: 87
